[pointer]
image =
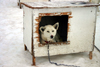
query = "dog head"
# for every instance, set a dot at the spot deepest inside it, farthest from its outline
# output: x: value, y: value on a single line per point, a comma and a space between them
x: 49, y: 31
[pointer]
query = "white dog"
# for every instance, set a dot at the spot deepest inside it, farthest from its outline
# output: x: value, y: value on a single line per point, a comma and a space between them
x: 49, y: 33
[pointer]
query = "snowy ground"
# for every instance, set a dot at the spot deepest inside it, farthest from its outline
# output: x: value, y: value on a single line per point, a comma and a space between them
x: 12, y: 52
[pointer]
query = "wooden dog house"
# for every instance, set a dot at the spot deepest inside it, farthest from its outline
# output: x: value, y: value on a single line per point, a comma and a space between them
x: 77, y: 27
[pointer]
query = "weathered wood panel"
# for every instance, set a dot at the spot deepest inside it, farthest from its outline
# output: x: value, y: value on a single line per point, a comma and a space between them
x: 81, y: 31
x: 27, y: 27
x: 81, y: 26
x: 67, y: 4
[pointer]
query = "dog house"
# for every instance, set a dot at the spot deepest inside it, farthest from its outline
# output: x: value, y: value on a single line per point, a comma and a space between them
x: 77, y: 23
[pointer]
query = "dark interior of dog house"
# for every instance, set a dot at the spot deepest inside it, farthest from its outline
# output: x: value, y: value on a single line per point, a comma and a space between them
x: 63, y: 24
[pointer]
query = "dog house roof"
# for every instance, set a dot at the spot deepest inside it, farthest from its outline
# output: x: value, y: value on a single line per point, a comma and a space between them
x: 64, y: 4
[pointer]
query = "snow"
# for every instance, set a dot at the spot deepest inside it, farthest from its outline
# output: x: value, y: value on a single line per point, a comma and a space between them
x: 8, y: 3
x: 12, y: 52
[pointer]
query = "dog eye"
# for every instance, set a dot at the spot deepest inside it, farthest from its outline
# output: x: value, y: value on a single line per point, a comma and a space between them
x: 48, y: 31
x: 52, y: 30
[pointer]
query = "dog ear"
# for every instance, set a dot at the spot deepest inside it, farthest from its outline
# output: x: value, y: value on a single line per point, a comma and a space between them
x: 42, y: 29
x: 56, y: 25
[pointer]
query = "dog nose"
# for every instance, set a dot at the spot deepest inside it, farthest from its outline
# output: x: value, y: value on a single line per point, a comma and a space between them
x: 51, y: 36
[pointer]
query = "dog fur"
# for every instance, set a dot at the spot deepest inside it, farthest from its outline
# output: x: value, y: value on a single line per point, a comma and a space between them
x: 49, y: 33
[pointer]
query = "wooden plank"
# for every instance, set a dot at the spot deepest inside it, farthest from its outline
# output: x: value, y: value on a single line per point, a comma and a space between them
x: 81, y: 31
x: 66, y: 4
x: 27, y: 27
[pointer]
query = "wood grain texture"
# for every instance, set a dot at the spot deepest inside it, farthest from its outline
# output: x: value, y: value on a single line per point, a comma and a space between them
x: 65, y: 4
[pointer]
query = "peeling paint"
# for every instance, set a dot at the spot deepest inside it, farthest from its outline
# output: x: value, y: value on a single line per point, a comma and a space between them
x: 70, y: 17
x: 43, y: 5
x: 57, y: 43
x: 37, y: 31
x: 68, y: 27
x: 55, y: 14
x: 38, y: 19
x: 90, y: 55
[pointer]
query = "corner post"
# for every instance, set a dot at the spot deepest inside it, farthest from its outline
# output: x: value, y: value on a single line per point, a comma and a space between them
x: 32, y: 47
x: 25, y: 47
x: 33, y: 61
x: 90, y: 55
